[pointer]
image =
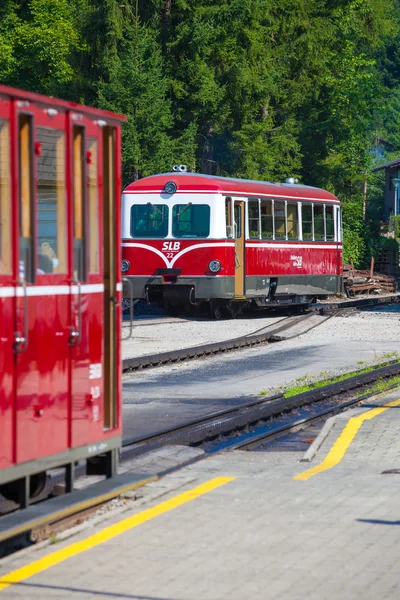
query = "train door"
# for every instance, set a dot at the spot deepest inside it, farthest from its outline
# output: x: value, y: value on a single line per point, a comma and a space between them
x: 87, y: 284
x: 239, y: 208
x: 42, y: 305
x: 7, y: 291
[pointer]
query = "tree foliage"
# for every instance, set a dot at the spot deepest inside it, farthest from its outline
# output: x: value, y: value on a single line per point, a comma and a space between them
x: 250, y: 88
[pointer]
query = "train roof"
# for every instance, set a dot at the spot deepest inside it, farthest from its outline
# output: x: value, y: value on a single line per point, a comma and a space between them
x: 199, y: 183
x: 47, y: 101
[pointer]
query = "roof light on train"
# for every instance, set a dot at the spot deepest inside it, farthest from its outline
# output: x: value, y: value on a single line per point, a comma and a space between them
x: 214, y: 266
x: 170, y: 187
x: 125, y: 266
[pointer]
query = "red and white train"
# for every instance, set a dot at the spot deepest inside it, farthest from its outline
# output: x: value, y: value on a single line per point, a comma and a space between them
x: 190, y: 238
x: 60, y: 289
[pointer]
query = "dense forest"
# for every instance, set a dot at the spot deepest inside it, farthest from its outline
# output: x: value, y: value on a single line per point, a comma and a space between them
x: 260, y: 89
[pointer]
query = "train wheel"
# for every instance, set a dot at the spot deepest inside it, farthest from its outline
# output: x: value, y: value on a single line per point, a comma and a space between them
x: 215, y: 310
x: 37, y: 484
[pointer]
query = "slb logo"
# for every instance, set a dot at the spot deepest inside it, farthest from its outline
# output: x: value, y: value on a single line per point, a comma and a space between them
x: 297, y: 261
x: 171, y: 246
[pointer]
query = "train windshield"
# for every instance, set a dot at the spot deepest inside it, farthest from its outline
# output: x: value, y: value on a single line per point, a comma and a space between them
x: 149, y: 220
x: 191, y: 220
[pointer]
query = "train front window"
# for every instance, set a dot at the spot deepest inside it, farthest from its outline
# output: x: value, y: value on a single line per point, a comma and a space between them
x: 191, y: 220
x: 51, y: 213
x: 5, y: 199
x: 149, y: 220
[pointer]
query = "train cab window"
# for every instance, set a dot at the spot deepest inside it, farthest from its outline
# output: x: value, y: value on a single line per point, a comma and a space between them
x: 254, y: 219
x: 307, y: 221
x: 25, y: 164
x: 319, y: 225
x: 93, y: 206
x: 292, y: 221
x: 51, y: 211
x: 280, y: 221
x: 329, y: 223
x: 267, y: 221
x: 79, y: 202
x: 5, y: 200
x: 149, y: 220
x: 191, y: 220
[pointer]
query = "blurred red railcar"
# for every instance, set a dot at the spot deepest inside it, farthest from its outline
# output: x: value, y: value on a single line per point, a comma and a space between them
x: 60, y: 289
x: 190, y: 238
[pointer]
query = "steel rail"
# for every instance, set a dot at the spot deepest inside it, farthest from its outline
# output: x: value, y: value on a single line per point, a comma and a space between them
x: 225, y: 422
x: 244, y: 341
x: 254, y: 338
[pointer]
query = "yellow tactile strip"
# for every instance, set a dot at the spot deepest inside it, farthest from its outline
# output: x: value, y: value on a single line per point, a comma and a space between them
x: 344, y: 440
x: 109, y: 532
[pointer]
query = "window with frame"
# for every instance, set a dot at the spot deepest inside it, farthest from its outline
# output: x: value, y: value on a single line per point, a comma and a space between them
x: 253, y: 208
x: 51, y: 197
x: 26, y: 198
x: 149, y: 220
x: 329, y: 223
x: 93, y: 206
x: 307, y: 221
x: 5, y: 199
x: 191, y: 220
x: 319, y: 222
x: 267, y: 220
x: 292, y: 221
x: 279, y: 220
x: 228, y: 217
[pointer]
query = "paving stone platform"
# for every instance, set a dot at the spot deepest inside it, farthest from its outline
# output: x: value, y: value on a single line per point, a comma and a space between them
x: 263, y: 535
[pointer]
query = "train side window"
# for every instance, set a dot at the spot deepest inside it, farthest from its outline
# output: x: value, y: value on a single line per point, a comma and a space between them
x: 228, y: 217
x: 280, y: 221
x: 93, y: 208
x: 5, y: 199
x: 254, y: 219
x: 149, y: 220
x: 51, y: 210
x: 307, y: 221
x: 25, y: 163
x: 292, y: 221
x: 238, y: 220
x: 79, y: 203
x: 319, y: 226
x: 267, y: 222
x: 329, y: 223
x: 191, y: 220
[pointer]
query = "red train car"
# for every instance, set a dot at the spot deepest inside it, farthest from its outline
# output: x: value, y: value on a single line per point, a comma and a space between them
x: 190, y: 238
x: 60, y: 288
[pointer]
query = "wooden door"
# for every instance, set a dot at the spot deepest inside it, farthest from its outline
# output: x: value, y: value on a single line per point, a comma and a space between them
x: 239, y: 208
x: 7, y: 291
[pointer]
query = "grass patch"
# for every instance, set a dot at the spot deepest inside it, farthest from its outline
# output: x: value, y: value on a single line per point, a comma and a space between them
x: 302, y: 385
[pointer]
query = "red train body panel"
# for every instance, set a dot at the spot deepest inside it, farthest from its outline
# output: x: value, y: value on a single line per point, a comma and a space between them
x: 60, y: 285
x: 191, y: 238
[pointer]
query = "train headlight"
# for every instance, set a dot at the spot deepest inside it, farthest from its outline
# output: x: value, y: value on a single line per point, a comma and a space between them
x: 170, y: 187
x: 214, y: 266
x: 125, y: 266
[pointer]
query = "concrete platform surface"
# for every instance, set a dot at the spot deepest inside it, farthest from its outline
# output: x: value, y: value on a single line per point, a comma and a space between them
x: 242, y: 525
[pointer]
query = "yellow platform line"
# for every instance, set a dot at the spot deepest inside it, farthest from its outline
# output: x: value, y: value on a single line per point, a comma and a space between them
x: 344, y: 440
x: 109, y: 532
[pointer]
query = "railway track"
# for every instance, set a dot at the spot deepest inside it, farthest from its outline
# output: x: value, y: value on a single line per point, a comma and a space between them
x: 244, y: 427
x: 299, y: 324
x: 286, y: 328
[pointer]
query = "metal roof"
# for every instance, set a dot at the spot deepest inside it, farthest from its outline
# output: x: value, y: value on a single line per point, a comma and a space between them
x: 393, y: 163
